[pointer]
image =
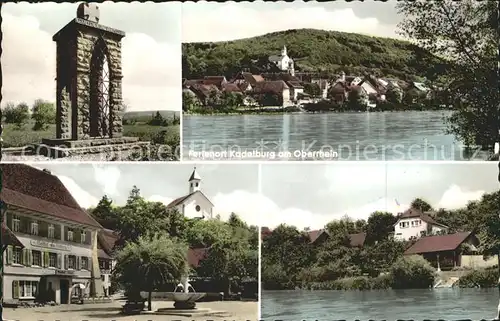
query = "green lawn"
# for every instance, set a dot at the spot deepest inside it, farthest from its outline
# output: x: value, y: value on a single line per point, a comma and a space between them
x: 18, y: 137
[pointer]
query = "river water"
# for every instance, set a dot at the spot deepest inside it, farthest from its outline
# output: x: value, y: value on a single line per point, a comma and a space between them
x: 413, y: 135
x: 390, y: 305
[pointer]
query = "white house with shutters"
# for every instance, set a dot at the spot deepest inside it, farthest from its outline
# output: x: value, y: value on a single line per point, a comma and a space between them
x: 413, y: 224
x: 59, y: 253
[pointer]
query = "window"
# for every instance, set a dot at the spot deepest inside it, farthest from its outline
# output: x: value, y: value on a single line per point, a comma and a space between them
x: 70, y: 236
x: 52, y: 260
x: 16, y: 222
x: 83, y: 237
x: 37, y: 258
x: 17, y: 257
x: 51, y: 231
x: 85, y: 263
x: 34, y: 228
x: 25, y: 289
x: 71, y: 262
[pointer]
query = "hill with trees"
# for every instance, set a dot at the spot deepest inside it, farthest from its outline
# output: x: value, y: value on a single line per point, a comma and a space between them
x: 313, y: 51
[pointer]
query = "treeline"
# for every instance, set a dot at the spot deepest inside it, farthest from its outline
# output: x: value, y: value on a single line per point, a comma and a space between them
x: 231, y: 247
x: 42, y: 112
x: 290, y: 260
x: 313, y: 51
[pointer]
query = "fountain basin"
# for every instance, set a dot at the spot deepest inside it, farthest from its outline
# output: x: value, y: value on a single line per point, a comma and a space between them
x: 175, y: 296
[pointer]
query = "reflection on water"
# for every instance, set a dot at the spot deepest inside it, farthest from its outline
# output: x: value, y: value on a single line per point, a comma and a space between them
x: 352, y: 136
x: 446, y: 304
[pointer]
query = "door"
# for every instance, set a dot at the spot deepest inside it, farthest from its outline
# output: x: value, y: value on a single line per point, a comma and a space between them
x: 64, y: 285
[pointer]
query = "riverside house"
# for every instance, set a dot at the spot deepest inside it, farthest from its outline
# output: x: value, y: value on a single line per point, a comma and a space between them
x: 446, y: 252
x: 413, y: 224
x: 53, y: 246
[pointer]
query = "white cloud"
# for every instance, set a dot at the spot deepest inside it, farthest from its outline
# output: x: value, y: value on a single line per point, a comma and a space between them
x: 199, y: 25
x: 107, y: 177
x: 247, y: 205
x: 453, y: 198
x: 161, y: 199
x: 83, y: 198
x: 151, y: 70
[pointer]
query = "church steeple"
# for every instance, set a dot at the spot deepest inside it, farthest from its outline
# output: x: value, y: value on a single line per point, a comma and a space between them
x: 194, y: 181
x: 283, y: 51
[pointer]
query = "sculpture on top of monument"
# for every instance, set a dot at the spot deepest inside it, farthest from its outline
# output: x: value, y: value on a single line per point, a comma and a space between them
x: 88, y: 11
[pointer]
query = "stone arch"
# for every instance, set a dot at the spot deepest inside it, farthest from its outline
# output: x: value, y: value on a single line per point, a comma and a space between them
x: 100, y: 111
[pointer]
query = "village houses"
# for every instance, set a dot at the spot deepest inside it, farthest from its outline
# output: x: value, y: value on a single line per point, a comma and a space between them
x: 287, y: 86
x: 423, y: 236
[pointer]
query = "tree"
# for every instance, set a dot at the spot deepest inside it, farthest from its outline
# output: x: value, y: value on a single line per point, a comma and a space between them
x: 421, y: 205
x: 139, y: 217
x: 16, y: 114
x: 106, y: 214
x: 357, y: 98
x: 394, y: 95
x: 379, y: 227
x: 189, y: 101
x: 465, y: 38
x: 151, y: 262
x: 412, y: 272
x: 312, y: 89
x: 43, y: 113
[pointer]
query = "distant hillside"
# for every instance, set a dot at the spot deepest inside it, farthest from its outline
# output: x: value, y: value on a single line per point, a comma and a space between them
x: 313, y: 51
x: 149, y: 114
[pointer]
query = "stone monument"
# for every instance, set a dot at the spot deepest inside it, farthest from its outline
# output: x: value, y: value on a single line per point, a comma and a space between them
x: 89, y: 87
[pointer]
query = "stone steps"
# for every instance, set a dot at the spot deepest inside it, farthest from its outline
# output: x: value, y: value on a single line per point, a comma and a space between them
x: 59, y: 152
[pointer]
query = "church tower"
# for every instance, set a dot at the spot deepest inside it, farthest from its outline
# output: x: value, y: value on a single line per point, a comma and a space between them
x: 283, y: 52
x: 194, y: 182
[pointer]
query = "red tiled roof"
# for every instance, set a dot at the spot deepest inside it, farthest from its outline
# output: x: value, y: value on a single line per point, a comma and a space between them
x: 413, y: 212
x: 214, y: 80
x: 313, y: 235
x: 179, y: 200
x: 294, y: 84
x: 39, y: 191
x: 195, y: 256
x: 358, y: 239
x: 276, y: 87
x: 231, y: 88
x: 438, y: 243
x: 8, y: 238
x: 107, y: 239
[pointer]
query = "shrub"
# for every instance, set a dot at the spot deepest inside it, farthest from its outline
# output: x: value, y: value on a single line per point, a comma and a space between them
x: 483, y: 278
x: 412, y: 272
x: 44, y: 113
x: 18, y: 115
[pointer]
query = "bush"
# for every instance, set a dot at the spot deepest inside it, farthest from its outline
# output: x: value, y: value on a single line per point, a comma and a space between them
x: 353, y: 283
x: 412, y: 272
x: 483, y: 278
x: 18, y: 115
x: 44, y: 113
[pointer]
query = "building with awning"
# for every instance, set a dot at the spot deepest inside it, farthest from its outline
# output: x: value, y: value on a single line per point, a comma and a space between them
x: 51, y: 241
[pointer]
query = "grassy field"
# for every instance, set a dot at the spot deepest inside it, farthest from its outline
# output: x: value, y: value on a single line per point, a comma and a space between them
x: 18, y: 137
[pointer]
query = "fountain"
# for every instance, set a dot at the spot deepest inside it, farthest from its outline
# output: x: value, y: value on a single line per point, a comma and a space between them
x: 184, y: 297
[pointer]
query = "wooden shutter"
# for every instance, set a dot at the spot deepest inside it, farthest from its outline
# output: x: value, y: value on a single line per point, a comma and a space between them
x: 59, y: 259
x: 47, y: 259
x: 65, y: 262
x: 15, y: 289
x: 24, y: 257
x: 78, y: 263
x: 89, y: 263
x: 10, y: 253
x: 30, y: 257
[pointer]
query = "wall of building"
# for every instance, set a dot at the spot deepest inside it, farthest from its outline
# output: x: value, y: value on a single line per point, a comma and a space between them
x: 478, y: 261
x: 190, y: 210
